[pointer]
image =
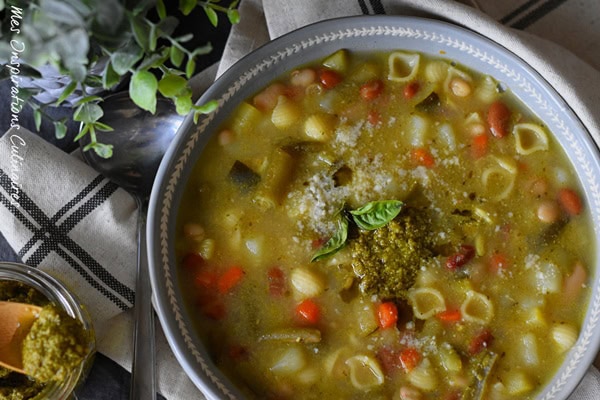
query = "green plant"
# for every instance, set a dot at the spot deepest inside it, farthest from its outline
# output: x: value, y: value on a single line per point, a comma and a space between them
x: 99, y: 43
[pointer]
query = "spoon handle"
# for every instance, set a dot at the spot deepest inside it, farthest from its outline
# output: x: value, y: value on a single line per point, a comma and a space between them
x: 143, y: 372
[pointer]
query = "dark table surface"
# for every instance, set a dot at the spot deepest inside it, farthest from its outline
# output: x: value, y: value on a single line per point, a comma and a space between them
x: 107, y: 380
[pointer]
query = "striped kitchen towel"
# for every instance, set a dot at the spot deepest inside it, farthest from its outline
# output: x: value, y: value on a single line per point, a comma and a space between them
x: 61, y: 216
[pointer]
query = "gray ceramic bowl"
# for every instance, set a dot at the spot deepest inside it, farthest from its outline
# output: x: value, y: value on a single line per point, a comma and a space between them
x: 314, y: 42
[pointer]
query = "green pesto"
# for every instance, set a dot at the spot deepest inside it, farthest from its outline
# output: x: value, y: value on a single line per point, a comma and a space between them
x: 55, y: 345
x: 387, y: 259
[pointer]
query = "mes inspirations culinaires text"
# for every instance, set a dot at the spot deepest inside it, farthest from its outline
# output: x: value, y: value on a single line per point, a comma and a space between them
x: 17, y: 143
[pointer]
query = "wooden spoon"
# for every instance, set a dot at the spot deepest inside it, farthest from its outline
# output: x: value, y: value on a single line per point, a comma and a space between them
x: 17, y: 319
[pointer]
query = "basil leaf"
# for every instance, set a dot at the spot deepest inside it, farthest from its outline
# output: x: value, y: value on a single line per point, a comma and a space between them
x: 336, y: 242
x: 376, y: 214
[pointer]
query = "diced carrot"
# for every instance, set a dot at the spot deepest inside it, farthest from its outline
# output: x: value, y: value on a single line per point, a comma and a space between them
x: 481, y: 341
x: 277, y: 284
x: 498, y: 262
x: 570, y: 201
x: 192, y: 261
x: 374, y: 117
x: 409, y: 358
x: 411, y: 90
x: 371, y: 90
x: 422, y: 157
x: 329, y: 78
x: 308, y: 312
x: 387, y: 314
x: 479, y: 145
x: 449, y: 316
x: 230, y: 279
x: 206, y: 279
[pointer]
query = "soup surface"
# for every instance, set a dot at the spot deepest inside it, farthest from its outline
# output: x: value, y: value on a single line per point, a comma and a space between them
x: 387, y: 225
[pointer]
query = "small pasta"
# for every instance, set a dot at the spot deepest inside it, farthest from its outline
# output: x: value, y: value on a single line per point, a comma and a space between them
x: 564, y: 336
x: 487, y: 90
x: 365, y: 372
x: 285, y: 113
x: 449, y: 358
x: 529, y: 350
x: 477, y: 307
x: 423, y: 376
x: 306, y: 283
x: 499, y: 177
x: 426, y: 302
x: 436, y: 71
x: 273, y: 185
x: 447, y: 136
x: 530, y: 138
x: 402, y: 66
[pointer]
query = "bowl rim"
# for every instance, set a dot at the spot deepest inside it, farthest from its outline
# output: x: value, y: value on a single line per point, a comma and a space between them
x: 317, y: 39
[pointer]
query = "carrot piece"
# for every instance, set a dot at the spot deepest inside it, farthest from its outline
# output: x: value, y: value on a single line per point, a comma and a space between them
x: 374, y: 117
x: 329, y: 78
x: 409, y: 358
x: 570, y: 201
x: 371, y: 90
x: 479, y: 145
x: 498, y: 262
x: 308, y: 312
x: 411, y: 90
x: 387, y: 314
x: 230, y: 279
x: 423, y: 157
x: 449, y: 316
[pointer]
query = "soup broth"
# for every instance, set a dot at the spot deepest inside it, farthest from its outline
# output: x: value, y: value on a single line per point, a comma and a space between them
x: 385, y: 225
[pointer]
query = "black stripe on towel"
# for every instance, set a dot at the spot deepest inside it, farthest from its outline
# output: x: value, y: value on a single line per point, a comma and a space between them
x: 537, y: 14
x: 377, y: 7
x: 363, y: 7
x: 50, y: 236
x: 517, y: 11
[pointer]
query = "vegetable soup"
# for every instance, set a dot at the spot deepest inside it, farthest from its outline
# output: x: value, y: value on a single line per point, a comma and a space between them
x: 385, y: 225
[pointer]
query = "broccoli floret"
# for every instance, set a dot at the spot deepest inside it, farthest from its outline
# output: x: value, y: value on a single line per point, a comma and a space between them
x: 386, y: 260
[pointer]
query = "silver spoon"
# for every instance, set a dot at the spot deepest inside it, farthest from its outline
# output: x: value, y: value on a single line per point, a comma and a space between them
x: 140, y: 140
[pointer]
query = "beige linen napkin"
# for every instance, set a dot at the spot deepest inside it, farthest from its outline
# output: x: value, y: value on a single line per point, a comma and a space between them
x: 61, y: 216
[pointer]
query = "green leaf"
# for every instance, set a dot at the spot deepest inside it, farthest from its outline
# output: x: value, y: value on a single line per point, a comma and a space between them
x: 125, y: 58
x: 109, y: 76
x: 207, y: 107
x: 336, y: 242
x: 183, y: 103
x: 142, y: 90
x: 101, y: 126
x: 70, y: 88
x: 172, y: 85
x: 186, y: 6
x: 154, y: 60
x: 2, y: 5
x: 176, y: 56
x: 88, y: 113
x: 161, y: 9
x: 60, y: 129
x: 89, y: 99
x: 190, y: 68
x: 185, y: 38
x: 376, y: 214
x: 37, y: 118
x: 234, y: 16
x: 212, y: 15
x: 142, y: 6
x: 84, y: 130
x: 141, y: 32
x: 103, y: 150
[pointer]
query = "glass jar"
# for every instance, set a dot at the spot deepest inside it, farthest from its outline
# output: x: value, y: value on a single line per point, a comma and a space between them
x: 61, y: 297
